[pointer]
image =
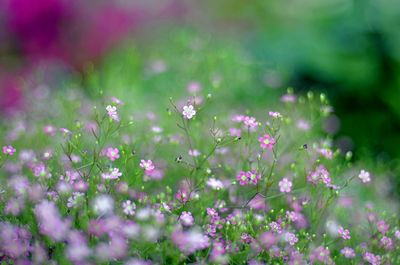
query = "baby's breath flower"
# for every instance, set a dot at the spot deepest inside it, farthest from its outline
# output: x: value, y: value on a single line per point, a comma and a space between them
x: 113, y: 173
x: 364, y: 176
x: 266, y: 141
x: 188, y: 112
x: 285, y: 185
x: 112, y: 112
x: 129, y: 207
x: 9, y: 150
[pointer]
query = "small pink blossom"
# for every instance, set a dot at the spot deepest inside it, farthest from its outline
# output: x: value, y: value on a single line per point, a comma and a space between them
x: 238, y: 118
x: 291, y: 216
x: 194, y: 87
x: 382, y: 227
x: 253, y: 176
x: 285, y: 185
x: 188, y: 112
x: 327, y: 153
x: 372, y: 259
x: 251, y: 122
x: 348, y: 252
x: 344, y: 233
x: 248, y: 177
x: 303, y: 125
x: 186, y: 219
x: 266, y: 141
x: 386, y: 243
x: 148, y: 165
x: 49, y: 130
x: 291, y: 238
x: 112, y: 153
x: 112, y: 112
x: 288, y: 98
x: 397, y: 234
x: 9, y: 150
x: 117, y: 101
x: 274, y: 226
x: 235, y: 132
x: 246, y: 238
x: 242, y: 178
x: 215, y: 184
x: 321, y: 254
x: 275, y: 114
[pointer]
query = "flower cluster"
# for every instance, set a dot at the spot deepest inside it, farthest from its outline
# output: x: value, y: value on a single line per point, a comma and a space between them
x: 96, y: 189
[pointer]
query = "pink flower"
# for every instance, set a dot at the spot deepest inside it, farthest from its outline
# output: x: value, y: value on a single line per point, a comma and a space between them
x: 49, y: 130
x: 267, y: 240
x: 285, y: 185
x: 242, y: 178
x: 245, y: 178
x: 318, y: 175
x: 320, y: 254
x: 112, y: 153
x: 215, y: 184
x: 186, y: 219
x: 386, y: 243
x: 112, y: 112
x: 288, y: 98
x: 382, y: 227
x: 188, y: 112
x: 348, y: 252
x: 372, y: 259
x: 291, y: 216
x: 117, y: 101
x: 327, y: 153
x: 397, y: 234
x: 291, y: 238
x: 364, y: 176
x: 275, y: 114
x: 246, y: 238
x: 194, y: 87
x: 345, y: 234
x: 303, y: 125
x: 148, y: 165
x: 190, y: 241
x: 274, y: 226
x: 9, y: 150
x: 235, y: 132
x: 253, y: 176
x: 266, y: 141
x: 238, y: 118
x: 251, y: 122
x: 50, y: 221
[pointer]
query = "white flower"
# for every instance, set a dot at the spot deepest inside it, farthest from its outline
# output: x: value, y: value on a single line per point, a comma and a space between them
x: 364, y: 176
x: 112, y: 112
x: 129, y: 207
x: 103, y: 205
x: 188, y: 112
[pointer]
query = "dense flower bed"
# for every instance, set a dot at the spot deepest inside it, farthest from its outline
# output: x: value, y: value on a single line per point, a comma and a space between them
x: 100, y: 184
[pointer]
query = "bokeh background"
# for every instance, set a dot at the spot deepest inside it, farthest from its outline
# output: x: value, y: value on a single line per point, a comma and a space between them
x: 250, y: 52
